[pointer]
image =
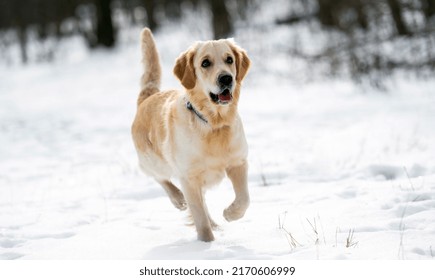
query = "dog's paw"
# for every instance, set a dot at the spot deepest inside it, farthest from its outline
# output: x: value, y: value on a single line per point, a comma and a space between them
x: 234, y: 212
x: 178, y: 200
x: 179, y: 204
x: 206, y: 235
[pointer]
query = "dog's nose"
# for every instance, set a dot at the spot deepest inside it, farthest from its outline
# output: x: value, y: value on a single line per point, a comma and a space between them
x: 225, y: 80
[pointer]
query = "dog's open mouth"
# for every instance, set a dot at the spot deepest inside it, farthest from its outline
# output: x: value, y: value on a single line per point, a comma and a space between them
x: 223, y: 97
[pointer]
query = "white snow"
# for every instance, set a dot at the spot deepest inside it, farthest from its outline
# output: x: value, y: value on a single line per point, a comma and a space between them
x: 325, y: 159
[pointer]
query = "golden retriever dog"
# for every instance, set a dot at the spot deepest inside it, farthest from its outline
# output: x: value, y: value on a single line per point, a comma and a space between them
x: 195, y: 134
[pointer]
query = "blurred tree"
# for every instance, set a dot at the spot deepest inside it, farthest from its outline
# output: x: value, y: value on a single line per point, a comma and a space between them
x: 150, y: 7
x: 397, y: 15
x: 221, y: 20
x: 172, y: 9
x: 428, y: 7
x: 368, y: 38
x: 327, y: 12
x: 105, y: 31
x: 362, y: 18
x: 19, y: 21
x: 364, y: 38
x: 94, y: 20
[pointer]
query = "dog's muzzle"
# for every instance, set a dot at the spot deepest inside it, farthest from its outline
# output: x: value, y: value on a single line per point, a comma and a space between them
x: 225, y: 95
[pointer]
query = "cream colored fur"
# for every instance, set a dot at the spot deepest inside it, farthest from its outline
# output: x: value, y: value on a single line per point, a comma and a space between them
x: 172, y: 141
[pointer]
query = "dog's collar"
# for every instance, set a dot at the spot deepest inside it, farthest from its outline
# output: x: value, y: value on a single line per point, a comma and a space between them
x: 191, y: 108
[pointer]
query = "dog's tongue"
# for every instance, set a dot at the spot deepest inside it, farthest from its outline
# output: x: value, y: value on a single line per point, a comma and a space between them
x: 225, y: 96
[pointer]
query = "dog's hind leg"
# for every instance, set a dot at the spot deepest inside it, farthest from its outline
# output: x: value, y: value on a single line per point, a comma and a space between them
x: 175, y: 195
x: 238, y: 176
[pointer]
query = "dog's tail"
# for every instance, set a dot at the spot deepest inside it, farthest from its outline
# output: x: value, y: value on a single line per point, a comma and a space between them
x: 150, y: 81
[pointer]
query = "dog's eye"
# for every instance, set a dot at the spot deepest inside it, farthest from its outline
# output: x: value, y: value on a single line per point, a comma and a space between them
x: 229, y: 60
x: 205, y: 63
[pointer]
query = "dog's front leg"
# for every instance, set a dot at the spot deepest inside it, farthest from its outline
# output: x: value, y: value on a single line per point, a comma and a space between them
x: 196, y: 203
x: 238, y: 176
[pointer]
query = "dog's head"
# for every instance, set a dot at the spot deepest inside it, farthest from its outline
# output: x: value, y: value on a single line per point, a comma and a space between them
x: 215, y: 68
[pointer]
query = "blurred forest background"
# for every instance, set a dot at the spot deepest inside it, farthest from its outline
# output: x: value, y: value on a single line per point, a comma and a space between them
x: 365, y: 40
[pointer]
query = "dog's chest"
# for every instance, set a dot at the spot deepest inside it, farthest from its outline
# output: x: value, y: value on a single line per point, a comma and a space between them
x: 218, y: 143
x: 215, y: 150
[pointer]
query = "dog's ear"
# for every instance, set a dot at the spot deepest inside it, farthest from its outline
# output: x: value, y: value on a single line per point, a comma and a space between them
x: 184, y: 69
x: 242, y: 62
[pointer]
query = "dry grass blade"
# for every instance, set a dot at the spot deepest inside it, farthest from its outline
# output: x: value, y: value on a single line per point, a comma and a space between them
x: 350, y: 242
x: 314, y: 228
x: 409, y: 178
x: 290, y: 239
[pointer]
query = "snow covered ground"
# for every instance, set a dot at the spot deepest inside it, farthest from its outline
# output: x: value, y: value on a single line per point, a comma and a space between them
x: 335, y: 173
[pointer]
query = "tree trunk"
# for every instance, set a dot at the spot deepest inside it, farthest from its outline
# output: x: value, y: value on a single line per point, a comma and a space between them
x: 428, y: 7
x: 19, y: 19
x: 150, y: 6
x: 105, y: 31
x: 396, y: 13
x: 326, y: 9
x: 222, y: 25
x: 361, y: 15
x: 172, y: 9
x: 22, y: 38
